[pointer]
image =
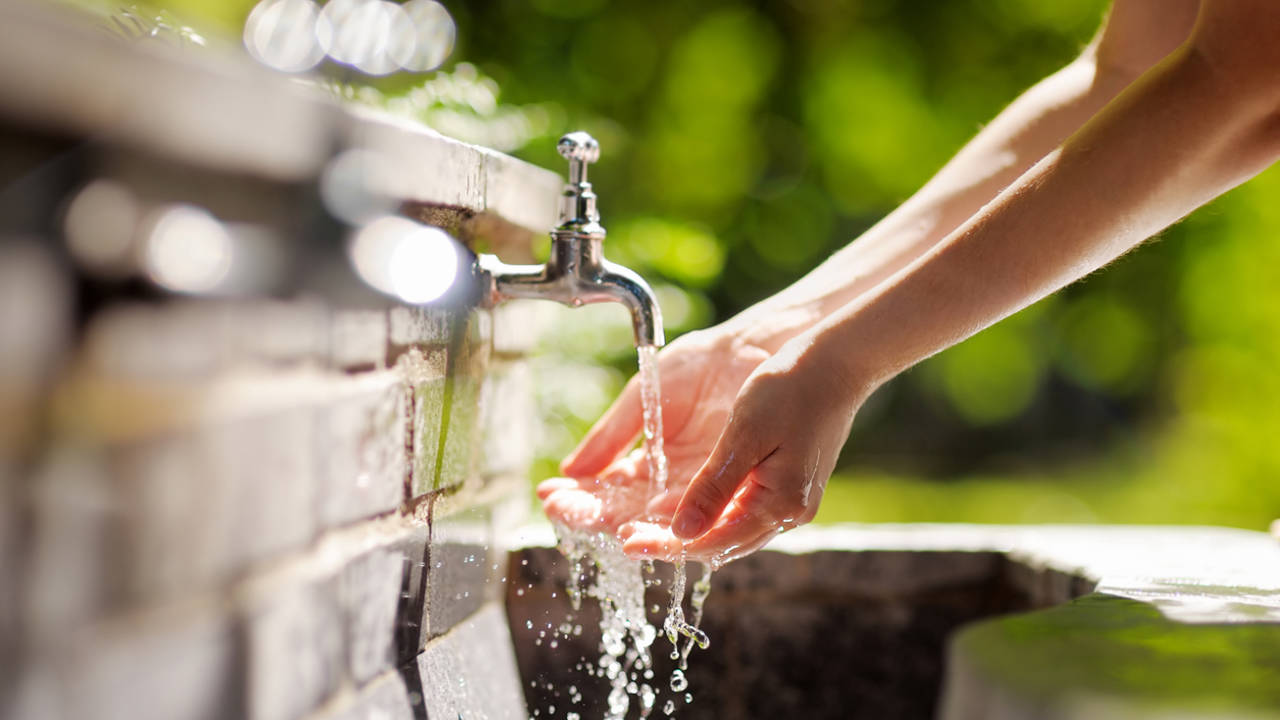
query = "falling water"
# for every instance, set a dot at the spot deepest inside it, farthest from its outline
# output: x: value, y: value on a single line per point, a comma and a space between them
x: 651, y: 404
x: 618, y: 584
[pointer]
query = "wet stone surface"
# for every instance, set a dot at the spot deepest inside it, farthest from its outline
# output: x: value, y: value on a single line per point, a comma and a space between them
x: 825, y: 635
x: 469, y: 672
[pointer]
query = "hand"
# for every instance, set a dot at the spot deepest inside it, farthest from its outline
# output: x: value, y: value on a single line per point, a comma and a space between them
x: 769, y: 467
x: 701, y: 374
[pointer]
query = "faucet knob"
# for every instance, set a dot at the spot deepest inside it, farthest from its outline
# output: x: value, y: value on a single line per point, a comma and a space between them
x: 578, y: 202
x: 580, y: 149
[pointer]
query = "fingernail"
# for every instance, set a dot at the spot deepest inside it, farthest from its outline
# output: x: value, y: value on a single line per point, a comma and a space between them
x: 688, y: 524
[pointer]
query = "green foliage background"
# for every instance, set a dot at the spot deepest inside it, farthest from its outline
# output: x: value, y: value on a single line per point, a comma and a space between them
x: 744, y: 142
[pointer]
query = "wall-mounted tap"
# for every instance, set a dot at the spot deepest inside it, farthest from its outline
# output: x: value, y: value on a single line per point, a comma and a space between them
x: 577, y: 273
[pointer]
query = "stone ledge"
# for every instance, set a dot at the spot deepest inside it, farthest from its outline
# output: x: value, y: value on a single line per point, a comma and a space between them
x: 159, y: 98
x: 1181, y: 623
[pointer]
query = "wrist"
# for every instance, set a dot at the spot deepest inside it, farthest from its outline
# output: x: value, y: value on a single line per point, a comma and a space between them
x: 823, y: 351
x: 770, y: 324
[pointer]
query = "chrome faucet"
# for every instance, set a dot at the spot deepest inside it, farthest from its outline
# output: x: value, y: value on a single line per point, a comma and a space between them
x: 577, y: 272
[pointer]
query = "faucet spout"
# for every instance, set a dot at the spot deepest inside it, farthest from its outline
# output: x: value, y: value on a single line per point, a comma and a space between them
x: 577, y: 273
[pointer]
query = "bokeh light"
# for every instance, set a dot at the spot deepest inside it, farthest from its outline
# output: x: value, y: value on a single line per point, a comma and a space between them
x: 187, y: 250
x: 100, y: 225
x: 414, y: 262
x: 282, y: 34
x: 351, y: 186
x: 376, y: 37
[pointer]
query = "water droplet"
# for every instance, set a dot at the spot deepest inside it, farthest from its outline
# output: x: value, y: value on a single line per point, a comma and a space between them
x: 678, y: 680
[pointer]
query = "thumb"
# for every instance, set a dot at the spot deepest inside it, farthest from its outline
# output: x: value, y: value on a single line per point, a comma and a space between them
x: 716, y: 481
x: 612, y: 434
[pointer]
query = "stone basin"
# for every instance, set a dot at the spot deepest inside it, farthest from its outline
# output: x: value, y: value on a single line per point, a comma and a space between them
x: 955, y: 622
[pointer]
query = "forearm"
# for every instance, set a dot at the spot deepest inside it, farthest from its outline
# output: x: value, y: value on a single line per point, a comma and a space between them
x: 1024, y: 132
x: 1175, y: 139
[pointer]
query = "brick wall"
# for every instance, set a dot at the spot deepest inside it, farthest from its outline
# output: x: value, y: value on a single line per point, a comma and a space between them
x: 258, y: 509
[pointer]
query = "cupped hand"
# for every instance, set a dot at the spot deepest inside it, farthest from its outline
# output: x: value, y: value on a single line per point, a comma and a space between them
x: 769, y: 466
x: 701, y: 374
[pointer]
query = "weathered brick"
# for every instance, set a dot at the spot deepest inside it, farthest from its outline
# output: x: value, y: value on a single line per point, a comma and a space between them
x: 146, y: 343
x: 35, y: 330
x: 263, y: 476
x: 418, y: 327
x: 174, y: 664
x: 276, y: 332
x: 423, y: 373
x: 480, y: 330
x: 461, y: 428
x: 383, y: 699
x: 168, y: 530
x: 460, y: 570
x: 361, y: 449
x: 411, y: 547
x: 471, y: 672
x: 516, y: 326
x: 294, y: 631
x: 428, y: 413
x: 508, y: 415
x: 358, y: 339
x: 35, y: 292
x: 369, y: 588
x: 200, y: 338
x: 68, y: 578
x: 451, y: 443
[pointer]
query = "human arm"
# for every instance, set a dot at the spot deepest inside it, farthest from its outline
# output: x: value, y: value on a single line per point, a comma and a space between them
x: 1137, y: 34
x: 1199, y: 123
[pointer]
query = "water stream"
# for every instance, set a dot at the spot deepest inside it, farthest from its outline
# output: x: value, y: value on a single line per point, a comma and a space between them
x: 602, y: 572
x: 651, y: 404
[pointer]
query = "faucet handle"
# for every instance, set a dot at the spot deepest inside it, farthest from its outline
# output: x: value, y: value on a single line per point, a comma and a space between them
x: 578, y: 202
x: 581, y: 150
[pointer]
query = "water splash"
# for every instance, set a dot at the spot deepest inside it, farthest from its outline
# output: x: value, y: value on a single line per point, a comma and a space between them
x: 677, y: 626
x: 625, y: 632
x: 602, y: 572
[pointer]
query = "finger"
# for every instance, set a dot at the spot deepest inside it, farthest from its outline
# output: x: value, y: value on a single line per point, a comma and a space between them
x: 774, y: 500
x: 575, y: 508
x: 653, y: 542
x: 740, y: 549
x: 612, y: 434
x: 550, y: 485
x: 732, y: 535
x: 663, y: 505
x: 715, y: 482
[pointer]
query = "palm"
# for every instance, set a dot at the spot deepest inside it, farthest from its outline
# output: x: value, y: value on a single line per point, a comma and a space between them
x: 701, y: 374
